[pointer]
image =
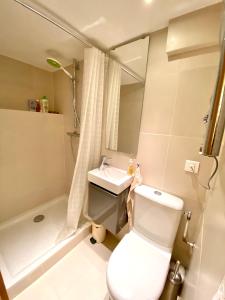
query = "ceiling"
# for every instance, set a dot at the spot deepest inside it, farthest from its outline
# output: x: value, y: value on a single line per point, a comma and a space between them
x: 110, y: 22
x: 30, y: 39
x: 27, y: 37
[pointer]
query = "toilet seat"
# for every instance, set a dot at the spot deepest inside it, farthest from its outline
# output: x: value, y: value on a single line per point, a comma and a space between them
x: 137, y: 269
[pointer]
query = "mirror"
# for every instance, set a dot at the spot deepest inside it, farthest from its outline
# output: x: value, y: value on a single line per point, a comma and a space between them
x: 124, y: 95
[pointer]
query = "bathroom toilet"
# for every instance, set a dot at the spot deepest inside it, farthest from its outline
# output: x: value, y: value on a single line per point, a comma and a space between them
x: 139, y: 265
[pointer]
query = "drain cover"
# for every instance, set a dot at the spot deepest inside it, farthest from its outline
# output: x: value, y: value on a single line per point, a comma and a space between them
x: 38, y: 218
x: 157, y: 193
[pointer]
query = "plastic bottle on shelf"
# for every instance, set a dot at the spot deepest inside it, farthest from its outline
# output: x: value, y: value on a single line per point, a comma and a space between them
x: 38, y: 106
x: 44, y: 104
x: 131, y: 167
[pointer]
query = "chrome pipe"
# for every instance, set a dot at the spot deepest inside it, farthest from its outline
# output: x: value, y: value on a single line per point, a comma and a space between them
x: 216, y: 118
x: 131, y: 73
x: 76, y: 118
x: 142, y: 36
x: 188, y: 215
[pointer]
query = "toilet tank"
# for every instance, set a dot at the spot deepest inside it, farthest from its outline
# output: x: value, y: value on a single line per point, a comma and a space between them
x: 156, y: 215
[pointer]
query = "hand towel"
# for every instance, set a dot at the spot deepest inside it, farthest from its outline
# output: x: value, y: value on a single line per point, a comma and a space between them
x: 130, y: 199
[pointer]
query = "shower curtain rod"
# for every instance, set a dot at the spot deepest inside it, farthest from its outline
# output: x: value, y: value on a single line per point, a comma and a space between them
x: 142, y: 36
x: 75, y: 34
x: 78, y: 36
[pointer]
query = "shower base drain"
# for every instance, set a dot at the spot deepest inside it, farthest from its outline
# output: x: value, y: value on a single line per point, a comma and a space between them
x: 38, y: 218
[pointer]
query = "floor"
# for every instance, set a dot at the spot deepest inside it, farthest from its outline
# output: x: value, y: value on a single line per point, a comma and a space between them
x: 26, y: 235
x: 80, y: 275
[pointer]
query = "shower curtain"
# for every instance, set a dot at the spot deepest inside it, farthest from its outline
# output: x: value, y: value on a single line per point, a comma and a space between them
x: 89, y: 150
x: 113, y: 104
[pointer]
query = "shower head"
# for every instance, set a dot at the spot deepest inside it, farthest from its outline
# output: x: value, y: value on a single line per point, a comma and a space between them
x: 57, y: 64
x: 53, y: 62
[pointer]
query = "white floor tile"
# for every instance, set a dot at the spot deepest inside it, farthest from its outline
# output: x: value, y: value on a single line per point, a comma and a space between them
x: 39, y: 291
x: 80, y: 275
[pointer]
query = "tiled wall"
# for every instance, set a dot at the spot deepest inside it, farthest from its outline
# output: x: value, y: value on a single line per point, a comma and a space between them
x: 32, y: 160
x: 20, y: 82
x: 207, y: 268
x: 30, y: 82
x: 177, y: 96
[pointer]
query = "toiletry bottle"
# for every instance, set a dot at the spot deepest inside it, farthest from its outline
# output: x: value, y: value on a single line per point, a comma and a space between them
x: 131, y: 168
x: 44, y: 104
x: 38, y: 106
x: 32, y: 105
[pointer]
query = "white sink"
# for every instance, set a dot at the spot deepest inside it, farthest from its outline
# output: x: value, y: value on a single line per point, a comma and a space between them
x: 112, y: 179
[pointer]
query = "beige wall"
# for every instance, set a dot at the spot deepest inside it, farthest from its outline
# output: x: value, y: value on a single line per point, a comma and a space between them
x: 207, y: 267
x: 20, y: 82
x: 131, y: 99
x: 177, y: 96
x: 63, y: 103
x: 32, y: 160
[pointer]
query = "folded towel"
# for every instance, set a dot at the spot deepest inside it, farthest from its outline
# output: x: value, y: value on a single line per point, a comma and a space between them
x: 130, y: 199
x: 220, y: 294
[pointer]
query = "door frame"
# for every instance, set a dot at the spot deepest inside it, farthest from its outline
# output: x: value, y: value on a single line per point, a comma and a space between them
x: 3, y: 291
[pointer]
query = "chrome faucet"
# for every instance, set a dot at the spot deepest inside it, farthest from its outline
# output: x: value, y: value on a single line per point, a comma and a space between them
x: 104, y: 163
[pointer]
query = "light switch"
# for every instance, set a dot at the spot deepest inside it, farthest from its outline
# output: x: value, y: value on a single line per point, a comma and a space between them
x: 192, y: 166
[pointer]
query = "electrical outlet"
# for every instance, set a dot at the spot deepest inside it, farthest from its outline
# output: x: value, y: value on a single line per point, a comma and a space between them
x: 192, y: 166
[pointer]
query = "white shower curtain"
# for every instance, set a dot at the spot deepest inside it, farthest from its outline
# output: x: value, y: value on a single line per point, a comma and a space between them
x: 88, y: 156
x: 113, y: 104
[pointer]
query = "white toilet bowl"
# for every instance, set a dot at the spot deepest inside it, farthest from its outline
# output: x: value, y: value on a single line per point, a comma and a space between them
x: 139, y: 265
x: 137, y: 269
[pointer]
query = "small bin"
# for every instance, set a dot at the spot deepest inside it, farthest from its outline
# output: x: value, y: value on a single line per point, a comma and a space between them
x: 173, y: 284
x: 98, y: 232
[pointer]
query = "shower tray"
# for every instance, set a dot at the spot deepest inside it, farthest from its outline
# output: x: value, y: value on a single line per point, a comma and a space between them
x: 30, y: 248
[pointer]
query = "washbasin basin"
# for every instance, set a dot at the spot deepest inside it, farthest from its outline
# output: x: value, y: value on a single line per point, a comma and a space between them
x: 112, y: 179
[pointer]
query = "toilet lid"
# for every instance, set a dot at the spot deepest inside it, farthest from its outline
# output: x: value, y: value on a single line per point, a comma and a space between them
x: 137, y: 269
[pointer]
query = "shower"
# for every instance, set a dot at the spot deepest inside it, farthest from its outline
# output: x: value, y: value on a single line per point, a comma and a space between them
x: 58, y: 65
